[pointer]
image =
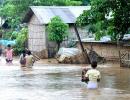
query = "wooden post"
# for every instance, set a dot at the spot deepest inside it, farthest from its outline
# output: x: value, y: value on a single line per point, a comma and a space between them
x: 120, y: 58
x: 81, y: 45
x: 120, y: 53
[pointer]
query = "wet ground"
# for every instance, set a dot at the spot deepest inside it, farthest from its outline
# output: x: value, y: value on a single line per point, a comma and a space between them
x: 61, y: 82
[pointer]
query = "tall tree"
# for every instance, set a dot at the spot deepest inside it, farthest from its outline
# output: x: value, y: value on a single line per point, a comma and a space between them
x: 108, y: 17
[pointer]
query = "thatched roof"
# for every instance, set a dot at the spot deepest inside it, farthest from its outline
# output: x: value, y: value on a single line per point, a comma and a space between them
x: 44, y: 13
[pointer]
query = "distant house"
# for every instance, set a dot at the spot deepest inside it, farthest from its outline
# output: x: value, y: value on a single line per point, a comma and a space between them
x: 38, y: 18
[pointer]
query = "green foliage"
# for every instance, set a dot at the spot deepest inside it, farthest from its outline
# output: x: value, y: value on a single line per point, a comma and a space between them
x: 110, y: 32
x: 85, y: 2
x: 14, y: 10
x: 57, y: 30
x: 9, y: 13
x: 83, y: 19
x: 14, y: 35
x: 72, y: 2
x: 21, y: 38
x: 7, y: 35
x: 8, y: 10
x: 99, y: 30
x: 119, y: 22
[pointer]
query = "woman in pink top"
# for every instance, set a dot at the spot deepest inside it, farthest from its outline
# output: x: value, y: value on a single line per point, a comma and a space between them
x: 9, y: 54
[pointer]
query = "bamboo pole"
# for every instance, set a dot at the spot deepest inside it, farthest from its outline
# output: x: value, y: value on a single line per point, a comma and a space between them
x: 84, y: 52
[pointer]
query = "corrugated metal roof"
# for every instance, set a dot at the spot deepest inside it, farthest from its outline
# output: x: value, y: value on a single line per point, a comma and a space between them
x: 67, y: 13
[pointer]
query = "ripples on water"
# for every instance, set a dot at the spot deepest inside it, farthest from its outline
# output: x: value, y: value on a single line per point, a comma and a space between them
x: 61, y: 82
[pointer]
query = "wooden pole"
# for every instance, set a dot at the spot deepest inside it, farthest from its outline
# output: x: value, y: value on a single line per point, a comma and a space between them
x: 81, y: 45
x: 77, y: 33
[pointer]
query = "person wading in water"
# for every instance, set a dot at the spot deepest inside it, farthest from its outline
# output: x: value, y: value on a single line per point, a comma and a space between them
x: 23, y: 59
x: 9, y: 54
x: 93, y: 75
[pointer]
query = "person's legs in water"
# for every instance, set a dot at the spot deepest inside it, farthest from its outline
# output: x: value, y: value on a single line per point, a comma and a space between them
x: 92, y: 85
x: 8, y: 61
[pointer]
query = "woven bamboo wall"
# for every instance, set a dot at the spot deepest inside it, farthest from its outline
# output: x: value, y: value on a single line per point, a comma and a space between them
x: 37, y: 41
x: 36, y: 38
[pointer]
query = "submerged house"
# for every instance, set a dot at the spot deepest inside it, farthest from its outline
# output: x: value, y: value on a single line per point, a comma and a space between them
x: 37, y: 19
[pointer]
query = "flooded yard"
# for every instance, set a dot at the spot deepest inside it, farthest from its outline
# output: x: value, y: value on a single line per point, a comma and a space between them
x: 62, y: 82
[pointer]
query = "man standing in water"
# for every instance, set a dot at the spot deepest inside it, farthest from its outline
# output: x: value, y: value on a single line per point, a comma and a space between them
x: 93, y: 75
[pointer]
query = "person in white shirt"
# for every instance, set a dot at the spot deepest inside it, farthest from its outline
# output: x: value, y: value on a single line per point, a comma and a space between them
x: 93, y: 75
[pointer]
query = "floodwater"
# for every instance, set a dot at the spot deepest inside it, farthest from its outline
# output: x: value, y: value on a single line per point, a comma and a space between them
x: 61, y: 82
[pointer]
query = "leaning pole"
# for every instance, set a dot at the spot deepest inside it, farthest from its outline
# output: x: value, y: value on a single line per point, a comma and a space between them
x: 84, y: 52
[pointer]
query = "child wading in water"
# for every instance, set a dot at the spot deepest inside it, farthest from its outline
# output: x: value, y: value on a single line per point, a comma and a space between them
x: 23, y: 59
x: 93, y: 75
x: 9, y: 54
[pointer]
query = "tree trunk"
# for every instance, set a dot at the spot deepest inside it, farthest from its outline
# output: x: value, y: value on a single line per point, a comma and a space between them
x: 58, y: 45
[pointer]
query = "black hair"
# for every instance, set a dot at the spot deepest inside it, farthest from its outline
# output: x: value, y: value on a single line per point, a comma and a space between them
x: 29, y: 52
x: 94, y: 64
x: 24, y: 53
x: 9, y: 45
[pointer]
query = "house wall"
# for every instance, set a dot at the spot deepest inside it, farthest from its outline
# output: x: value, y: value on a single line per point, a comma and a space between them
x: 107, y: 50
x: 36, y: 37
x: 71, y: 36
x: 83, y: 32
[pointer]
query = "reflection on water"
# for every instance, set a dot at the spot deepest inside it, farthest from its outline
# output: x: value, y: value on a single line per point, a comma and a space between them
x: 62, y: 82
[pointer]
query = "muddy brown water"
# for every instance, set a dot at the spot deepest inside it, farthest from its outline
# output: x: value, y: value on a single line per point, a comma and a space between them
x: 62, y: 82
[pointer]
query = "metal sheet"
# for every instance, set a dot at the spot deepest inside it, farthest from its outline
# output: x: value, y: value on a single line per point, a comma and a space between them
x: 67, y: 13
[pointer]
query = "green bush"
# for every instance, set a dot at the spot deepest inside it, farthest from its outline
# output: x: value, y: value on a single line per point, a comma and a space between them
x: 20, y: 41
x: 57, y: 30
